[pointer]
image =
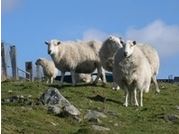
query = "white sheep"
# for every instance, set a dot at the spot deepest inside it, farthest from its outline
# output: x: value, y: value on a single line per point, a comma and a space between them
x: 49, y: 69
x: 132, y: 71
x: 81, y: 77
x: 107, y: 52
x: 76, y: 57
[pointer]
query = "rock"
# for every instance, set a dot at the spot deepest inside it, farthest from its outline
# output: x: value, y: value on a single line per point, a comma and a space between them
x: 100, y: 128
x: 54, y: 109
x: 94, y: 116
x: 116, y: 124
x: 58, y: 104
x: 9, y: 91
x: 177, y: 107
x: 53, y: 124
x: 172, y: 118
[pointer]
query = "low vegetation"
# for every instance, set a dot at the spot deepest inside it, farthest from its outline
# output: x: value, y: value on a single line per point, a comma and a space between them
x: 152, y: 118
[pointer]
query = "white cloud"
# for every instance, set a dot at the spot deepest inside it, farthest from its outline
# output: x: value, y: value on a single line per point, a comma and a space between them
x: 165, y: 38
x: 10, y: 5
x: 92, y: 34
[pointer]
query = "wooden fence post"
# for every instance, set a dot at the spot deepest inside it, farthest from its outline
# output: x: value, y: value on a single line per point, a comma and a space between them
x: 28, y: 68
x: 13, y: 62
x: 38, y: 73
x: 3, y: 63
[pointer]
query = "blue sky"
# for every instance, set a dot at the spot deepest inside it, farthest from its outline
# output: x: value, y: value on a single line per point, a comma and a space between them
x: 28, y: 23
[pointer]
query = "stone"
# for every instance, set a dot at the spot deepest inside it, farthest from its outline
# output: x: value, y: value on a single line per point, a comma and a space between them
x: 100, y: 128
x: 93, y: 116
x: 58, y: 104
x: 177, y: 107
x: 172, y: 118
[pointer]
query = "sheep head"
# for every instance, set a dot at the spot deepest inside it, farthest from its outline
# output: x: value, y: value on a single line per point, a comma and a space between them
x: 128, y: 48
x: 52, y: 46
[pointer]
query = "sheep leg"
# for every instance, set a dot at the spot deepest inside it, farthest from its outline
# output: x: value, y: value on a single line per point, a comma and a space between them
x: 141, y: 98
x: 62, y: 78
x: 130, y: 96
x: 115, y: 86
x: 99, y: 72
x: 154, y: 80
x: 47, y: 80
x: 73, y: 78
x: 103, y: 76
x: 135, y: 98
x: 51, y: 80
x: 126, y: 97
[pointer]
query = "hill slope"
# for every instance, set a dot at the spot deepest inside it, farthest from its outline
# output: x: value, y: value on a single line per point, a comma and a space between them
x: 152, y: 118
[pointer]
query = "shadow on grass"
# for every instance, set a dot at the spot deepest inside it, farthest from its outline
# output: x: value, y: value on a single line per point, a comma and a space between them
x: 70, y: 85
x: 103, y: 99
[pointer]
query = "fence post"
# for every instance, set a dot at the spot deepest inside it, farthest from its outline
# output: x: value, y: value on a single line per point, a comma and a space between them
x: 3, y: 63
x: 13, y: 62
x: 28, y: 68
x: 38, y: 73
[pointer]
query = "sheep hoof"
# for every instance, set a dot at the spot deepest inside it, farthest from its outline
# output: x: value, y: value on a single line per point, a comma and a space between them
x: 125, y: 104
x: 136, y: 105
x: 116, y: 88
x: 157, y: 92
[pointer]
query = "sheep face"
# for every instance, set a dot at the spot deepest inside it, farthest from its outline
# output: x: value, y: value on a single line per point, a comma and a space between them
x: 128, y: 48
x: 116, y: 40
x: 52, y: 46
x: 38, y: 62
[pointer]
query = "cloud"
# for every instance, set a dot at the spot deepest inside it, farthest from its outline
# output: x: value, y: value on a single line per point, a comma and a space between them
x: 94, y: 34
x: 10, y: 5
x: 162, y: 36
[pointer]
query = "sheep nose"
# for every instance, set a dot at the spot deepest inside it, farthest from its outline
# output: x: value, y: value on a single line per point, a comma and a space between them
x: 49, y: 52
x: 125, y: 54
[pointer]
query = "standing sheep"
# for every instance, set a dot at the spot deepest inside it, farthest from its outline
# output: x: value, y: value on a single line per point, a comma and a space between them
x: 132, y: 71
x: 79, y: 57
x: 107, y: 52
x: 49, y: 69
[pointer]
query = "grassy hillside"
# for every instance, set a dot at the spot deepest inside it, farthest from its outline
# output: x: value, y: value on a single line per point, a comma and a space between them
x: 21, y: 118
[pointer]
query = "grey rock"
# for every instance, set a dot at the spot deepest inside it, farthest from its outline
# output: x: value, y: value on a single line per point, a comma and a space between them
x: 94, y: 116
x: 177, y: 107
x: 100, y: 128
x: 58, y: 104
x: 172, y: 118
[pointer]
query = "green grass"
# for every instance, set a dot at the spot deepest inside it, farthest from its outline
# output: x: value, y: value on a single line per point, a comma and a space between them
x: 131, y: 120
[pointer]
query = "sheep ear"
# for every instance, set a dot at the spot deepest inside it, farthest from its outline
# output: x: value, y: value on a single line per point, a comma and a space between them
x: 46, y: 42
x: 59, y: 42
x: 134, y: 42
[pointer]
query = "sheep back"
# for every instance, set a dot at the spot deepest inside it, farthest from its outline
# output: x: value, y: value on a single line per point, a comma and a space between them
x: 77, y: 56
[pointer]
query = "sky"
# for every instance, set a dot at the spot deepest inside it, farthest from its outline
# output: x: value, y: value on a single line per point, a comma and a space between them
x: 28, y: 23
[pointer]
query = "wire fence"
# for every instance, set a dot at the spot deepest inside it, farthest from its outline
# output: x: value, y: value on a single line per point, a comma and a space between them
x: 10, y: 69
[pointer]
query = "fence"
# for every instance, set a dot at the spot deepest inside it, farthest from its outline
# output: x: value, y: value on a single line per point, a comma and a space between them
x: 10, y: 69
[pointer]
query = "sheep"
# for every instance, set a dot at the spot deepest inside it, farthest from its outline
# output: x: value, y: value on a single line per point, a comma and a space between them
x: 132, y: 71
x: 49, y: 69
x: 81, y: 77
x: 76, y: 57
x: 107, y: 52
x: 154, y: 61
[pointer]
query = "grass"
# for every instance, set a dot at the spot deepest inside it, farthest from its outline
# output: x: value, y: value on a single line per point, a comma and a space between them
x: 121, y: 120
